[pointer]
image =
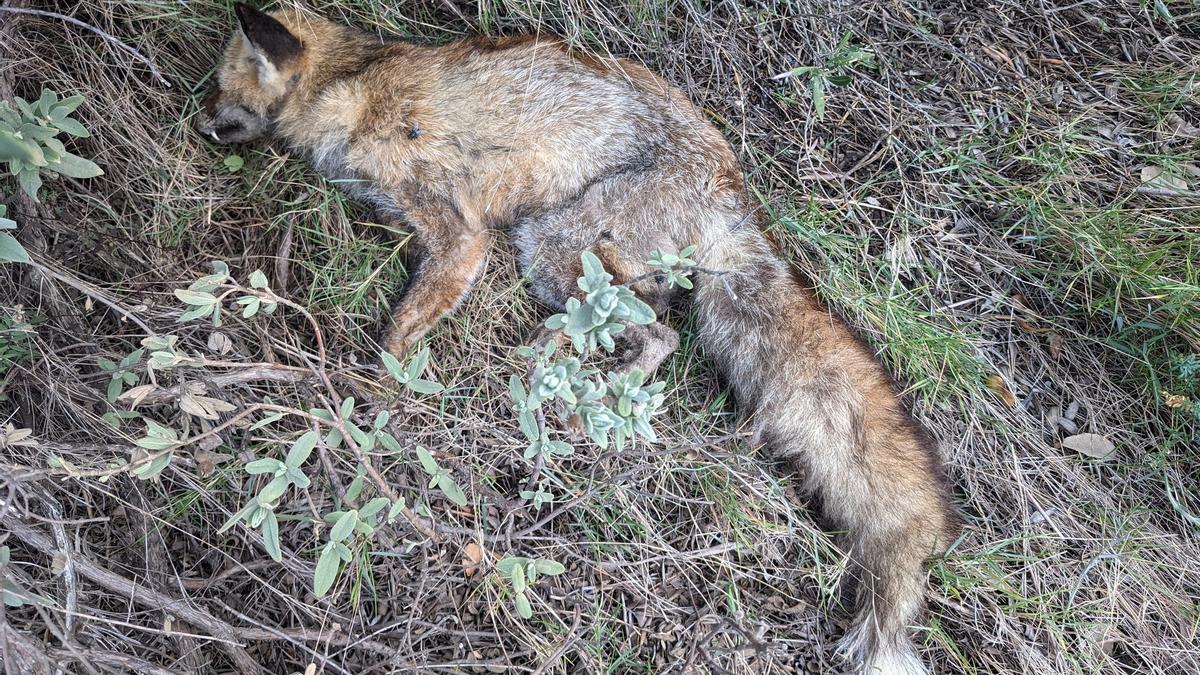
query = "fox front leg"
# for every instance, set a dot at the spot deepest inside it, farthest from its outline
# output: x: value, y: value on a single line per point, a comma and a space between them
x: 454, y: 252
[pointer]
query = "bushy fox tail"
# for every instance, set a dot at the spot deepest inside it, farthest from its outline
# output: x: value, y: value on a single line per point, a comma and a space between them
x: 819, y: 399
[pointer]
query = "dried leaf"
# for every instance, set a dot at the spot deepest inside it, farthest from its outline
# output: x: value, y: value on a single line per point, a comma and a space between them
x: 191, y: 405
x: 1055, y: 344
x: 135, y: 395
x: 13, y: 437
x: 998, y: 387
x: 1092, y: 445
x: 472, y: 556
x: 1174, y: 400
x: 207, y: 462
x: 219, y: 343
x: 1154, y: 176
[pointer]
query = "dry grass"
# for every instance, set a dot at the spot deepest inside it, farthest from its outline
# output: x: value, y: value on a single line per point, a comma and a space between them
x: 973, y: 203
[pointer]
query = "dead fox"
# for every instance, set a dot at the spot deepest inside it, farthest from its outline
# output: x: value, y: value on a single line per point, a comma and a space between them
x: 566, y: 153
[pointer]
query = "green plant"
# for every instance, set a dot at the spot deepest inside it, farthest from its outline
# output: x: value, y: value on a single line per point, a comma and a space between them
x: 28, y: 140
x: 836, y: 70
x: 440, y: 477
x: 29, y: 144
x: 618, y: 403
x: 260, y: 512
x: 15, y: 330
x: 612, y: 407
x: 409, y: 375
x: 11, y: 592
x: 205, y: 295
x: 10, y: 249
x: 522, y: 573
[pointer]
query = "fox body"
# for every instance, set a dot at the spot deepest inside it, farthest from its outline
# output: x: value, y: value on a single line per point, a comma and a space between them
x: 568, y: 153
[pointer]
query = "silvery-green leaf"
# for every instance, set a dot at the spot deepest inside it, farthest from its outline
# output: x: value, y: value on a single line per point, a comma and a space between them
x: 506, y: 565
x: 195, y: 298
x: 425, y: 386
x: 452, y: 490
x: 258, y: 515
x: 518, y: 579
x: 516, y: 390
x: 354, y: 488
x: 817, y: 85
x: 347, y: 408
x: 153, y: 468
x: 549, y: 567
x: 24, y: 107
x: 71, y: 126
x: 529, y: 425
x: 393, y: 367
x: 30, y: 182
x: 298, y: 478
x: 251, y: 307
x: 154, y: 443
x: 270, y: 531
x: 593, y: 269
x: 327, y: 569
x: 344, y: 526
x: 397, y: 508
x: 427, y: 461
x: 273, y: 490
x: 364, y: 441
x: 524, y: 610
x: 258, y: 279
x: 333, y: 439
x: 47, y: 99
x: 417, y: 365
x: 373, y: 507
x: 15, y: 147
x: 388, y: 441
x: 197, y: 312
x: 75, y: 166
x: 11, y: 250
x: 245, y: 510
x: 301, y: 449
x: 639, y: 312
x: 115, y: 385
x: 381, y: 419
x: 65, y: 106
x: 264, y: 465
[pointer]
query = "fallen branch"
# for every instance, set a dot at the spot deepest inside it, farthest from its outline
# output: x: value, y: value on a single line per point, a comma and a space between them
x: 110, y: 38
x: 227, y: 635
x: 256, y: 374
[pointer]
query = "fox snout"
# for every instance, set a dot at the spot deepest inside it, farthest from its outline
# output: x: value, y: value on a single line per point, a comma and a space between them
x: 228, y: 123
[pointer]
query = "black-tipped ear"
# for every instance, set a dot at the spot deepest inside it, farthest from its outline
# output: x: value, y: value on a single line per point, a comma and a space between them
x: 268, y: 35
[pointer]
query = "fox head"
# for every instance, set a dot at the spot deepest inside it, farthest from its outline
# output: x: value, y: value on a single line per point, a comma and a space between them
x: 262, y: 65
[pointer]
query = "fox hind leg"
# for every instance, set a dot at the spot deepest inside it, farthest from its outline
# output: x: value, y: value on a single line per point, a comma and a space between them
x: 647, y: 346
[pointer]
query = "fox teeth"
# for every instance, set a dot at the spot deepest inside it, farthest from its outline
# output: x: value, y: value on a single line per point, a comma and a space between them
x: 214, y: 135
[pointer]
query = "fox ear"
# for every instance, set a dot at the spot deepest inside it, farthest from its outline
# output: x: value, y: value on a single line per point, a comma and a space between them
x: 274, y: 43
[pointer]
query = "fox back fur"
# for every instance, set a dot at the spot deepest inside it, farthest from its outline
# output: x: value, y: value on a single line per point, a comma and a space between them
x: 565, y: 153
